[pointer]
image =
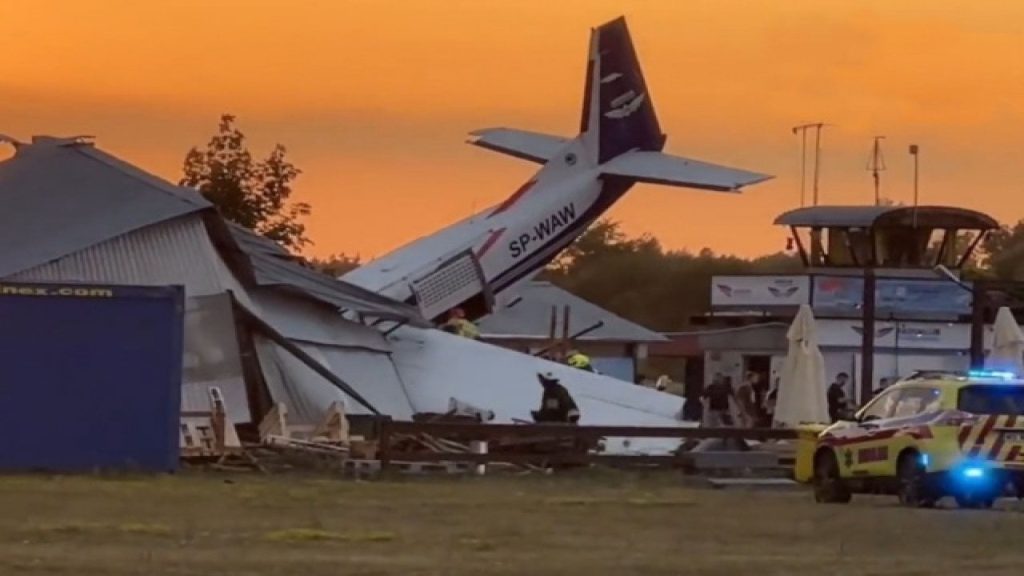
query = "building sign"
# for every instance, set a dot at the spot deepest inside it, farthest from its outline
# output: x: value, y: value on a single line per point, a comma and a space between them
x: 736, y: 291
x: 844, y: 295
x: 897, y: 335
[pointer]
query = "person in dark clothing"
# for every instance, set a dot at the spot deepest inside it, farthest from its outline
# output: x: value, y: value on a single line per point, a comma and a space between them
x: 693, y: 409
x: 837, y: 397
x: 718, y: 395
x: 556, y: 405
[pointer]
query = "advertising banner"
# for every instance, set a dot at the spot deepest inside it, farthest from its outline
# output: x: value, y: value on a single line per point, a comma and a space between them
x: 844, y: 295
x: 732, y: 291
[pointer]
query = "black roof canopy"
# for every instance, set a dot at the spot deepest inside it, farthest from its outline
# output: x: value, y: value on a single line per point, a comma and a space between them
x: 886, y: 216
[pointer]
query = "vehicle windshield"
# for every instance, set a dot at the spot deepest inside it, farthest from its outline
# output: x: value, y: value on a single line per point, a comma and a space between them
x: 1002, y: 399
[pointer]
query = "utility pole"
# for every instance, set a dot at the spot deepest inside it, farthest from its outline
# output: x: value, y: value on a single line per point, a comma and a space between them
x: 913, y: 152
x: 817, y: 158
x: 877, y: 164
x: 803, y: 161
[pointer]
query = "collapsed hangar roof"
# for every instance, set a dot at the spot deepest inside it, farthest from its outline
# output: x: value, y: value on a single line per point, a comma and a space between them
x: 62, y: 195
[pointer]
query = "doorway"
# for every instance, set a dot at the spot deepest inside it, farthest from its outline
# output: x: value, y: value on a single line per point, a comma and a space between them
x: 762, y: 366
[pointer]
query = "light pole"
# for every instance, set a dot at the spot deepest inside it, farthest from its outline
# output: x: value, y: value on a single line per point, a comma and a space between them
x: 914, y: 153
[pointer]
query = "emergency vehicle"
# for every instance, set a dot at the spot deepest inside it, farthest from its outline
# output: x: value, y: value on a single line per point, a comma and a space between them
x: 932, y: 435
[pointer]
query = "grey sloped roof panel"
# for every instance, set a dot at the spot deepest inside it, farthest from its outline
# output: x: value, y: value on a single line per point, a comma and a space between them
x: 58, y: 198
x: 531, y: 318
x: 250, y: 242
x: 276, y: 269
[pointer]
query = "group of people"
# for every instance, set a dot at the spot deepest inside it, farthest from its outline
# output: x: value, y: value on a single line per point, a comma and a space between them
x: 720, y: 404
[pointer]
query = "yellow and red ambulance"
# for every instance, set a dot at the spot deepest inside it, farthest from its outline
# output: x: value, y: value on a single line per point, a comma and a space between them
x: 932, y: 435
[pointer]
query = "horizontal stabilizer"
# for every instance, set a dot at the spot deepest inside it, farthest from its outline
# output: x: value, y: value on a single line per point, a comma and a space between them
x: 532, y: 146
x: 658, y: 168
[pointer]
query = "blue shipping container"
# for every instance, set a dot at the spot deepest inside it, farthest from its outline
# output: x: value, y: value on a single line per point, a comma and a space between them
x: 90, y: 377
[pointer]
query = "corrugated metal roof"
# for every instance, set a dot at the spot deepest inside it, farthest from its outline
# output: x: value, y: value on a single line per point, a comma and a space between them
x: 60, y: 197
x: 271, y: 270
x: 174, y: 252
x: 531, y: 318
x: 251, y: 242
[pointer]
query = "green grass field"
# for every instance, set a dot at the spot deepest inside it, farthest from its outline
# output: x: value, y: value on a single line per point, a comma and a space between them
x: 605, y: 523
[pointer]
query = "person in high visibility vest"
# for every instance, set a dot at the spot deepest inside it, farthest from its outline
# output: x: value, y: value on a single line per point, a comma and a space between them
x: 458, y: 324
x: 579, y: 360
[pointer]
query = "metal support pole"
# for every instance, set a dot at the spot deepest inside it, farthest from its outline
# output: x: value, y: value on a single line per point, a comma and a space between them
x: 979, y: 305
x: 803, y: 168
x: 817, y: 159
x: 867, y: 359
x: 914, y: 152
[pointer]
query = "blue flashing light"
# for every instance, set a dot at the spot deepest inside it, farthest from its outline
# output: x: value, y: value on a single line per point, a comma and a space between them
x: 992, y: 374
x: 973, y: 472
x: 925, y: 460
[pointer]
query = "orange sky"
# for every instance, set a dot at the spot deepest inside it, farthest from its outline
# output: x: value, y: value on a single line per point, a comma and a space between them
x: 374, y: 98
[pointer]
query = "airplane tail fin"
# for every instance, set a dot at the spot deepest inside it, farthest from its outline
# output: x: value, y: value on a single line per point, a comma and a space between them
x: 619, y: 128
x: 618, y: 114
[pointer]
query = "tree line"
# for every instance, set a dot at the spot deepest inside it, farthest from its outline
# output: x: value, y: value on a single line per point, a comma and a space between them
x: 632, y: 276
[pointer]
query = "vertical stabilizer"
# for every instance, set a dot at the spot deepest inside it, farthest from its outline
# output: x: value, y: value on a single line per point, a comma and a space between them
x: 618, y: 113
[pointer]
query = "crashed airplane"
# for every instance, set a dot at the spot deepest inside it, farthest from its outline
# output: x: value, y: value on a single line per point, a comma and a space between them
x: 478, y: 264
x: 489, y: 254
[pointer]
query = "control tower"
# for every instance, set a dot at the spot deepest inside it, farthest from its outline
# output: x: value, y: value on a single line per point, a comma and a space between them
x: 900, y: 241
x: 883, y: 283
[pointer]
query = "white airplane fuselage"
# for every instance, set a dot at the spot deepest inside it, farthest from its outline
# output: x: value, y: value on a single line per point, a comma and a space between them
x: 619, y: 144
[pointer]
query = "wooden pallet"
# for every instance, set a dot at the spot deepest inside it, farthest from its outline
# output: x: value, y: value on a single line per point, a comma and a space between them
x: 373, y: 467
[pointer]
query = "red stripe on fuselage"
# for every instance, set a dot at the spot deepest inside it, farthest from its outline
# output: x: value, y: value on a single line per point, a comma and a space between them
x: 513, y: 198
x: 489, y: 242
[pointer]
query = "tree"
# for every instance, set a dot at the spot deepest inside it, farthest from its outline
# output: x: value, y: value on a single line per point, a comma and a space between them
x: 1003, y: 252
x: 254, y: 194
x: 335, y: 265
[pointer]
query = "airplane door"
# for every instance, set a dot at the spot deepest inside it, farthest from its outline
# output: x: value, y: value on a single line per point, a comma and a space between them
x: 458, y: 281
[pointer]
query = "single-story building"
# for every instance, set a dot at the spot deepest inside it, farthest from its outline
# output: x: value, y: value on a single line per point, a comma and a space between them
x: 617, y: 347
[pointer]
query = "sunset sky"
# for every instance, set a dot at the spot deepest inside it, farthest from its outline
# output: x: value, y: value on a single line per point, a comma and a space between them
x: 373, y: 98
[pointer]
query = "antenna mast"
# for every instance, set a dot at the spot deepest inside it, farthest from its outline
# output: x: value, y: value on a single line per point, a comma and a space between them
x: 877, y: 164
x: 803, y: 156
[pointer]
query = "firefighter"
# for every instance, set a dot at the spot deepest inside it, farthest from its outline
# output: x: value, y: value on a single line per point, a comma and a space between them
x: 556, y: 404
x: 458, y: 324
x: 578, y: 360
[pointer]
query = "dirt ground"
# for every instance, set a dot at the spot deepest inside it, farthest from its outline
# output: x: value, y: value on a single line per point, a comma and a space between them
x: 605, y: 523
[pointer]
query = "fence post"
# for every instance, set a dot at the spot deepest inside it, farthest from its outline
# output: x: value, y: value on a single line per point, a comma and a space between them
x: 384, y: 443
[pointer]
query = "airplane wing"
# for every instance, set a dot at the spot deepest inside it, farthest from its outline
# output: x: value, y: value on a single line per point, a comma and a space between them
x: 658, y: 168
x: 532, y: 146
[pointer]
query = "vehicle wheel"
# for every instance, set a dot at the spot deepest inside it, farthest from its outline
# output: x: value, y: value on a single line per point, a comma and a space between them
x: 829, y: 487
x: 914, y: 490
x: 974, y: 501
